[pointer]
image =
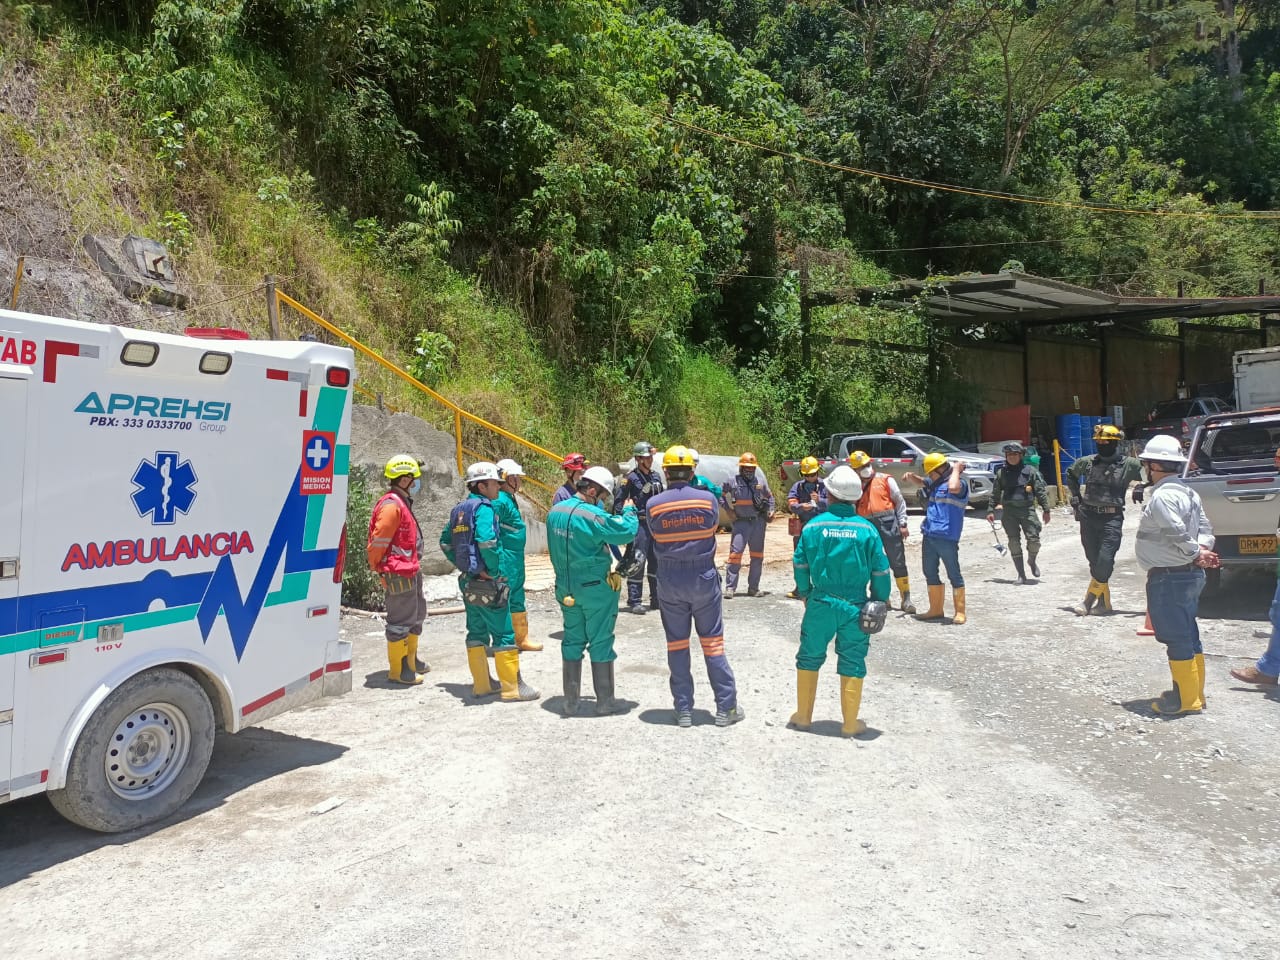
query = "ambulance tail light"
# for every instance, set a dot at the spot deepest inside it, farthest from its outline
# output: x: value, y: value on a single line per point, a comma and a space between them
x: 342, y: 556
x: 338, y: 377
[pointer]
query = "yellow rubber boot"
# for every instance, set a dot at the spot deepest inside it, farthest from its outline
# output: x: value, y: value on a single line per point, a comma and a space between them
x: 806, y: 693
x: 400, y: 672
x: 957, y: 595
x: 514, y: 689
x: 520, y: 623
x: 1185, y: 695
x: 482, y: 685
x: 936, y: 597
x: 419, y: 666
x: 1199, y: 658
x: 850, y: 703
x: 1090, y: 598
x: 904, y: 588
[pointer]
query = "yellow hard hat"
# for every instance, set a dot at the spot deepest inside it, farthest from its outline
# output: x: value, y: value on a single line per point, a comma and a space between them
x: 809, y: 466
x: 678, y: 456
x: 402, y: 465
x: 1107, y: 431
x: 748, y: 459
x: 859, y: 459
x: 932, y: 461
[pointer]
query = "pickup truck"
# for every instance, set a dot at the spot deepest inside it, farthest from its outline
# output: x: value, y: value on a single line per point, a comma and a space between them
x: 898, y: 454
x: 1232, y: 467
x: 1178, y: 418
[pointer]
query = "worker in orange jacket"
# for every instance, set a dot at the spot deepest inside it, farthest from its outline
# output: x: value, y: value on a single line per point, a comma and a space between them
x: 394, y: 549
x: 883, y: 504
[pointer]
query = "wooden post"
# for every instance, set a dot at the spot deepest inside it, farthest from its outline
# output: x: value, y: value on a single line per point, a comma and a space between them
x: 273, y: 305
x: 17, y: 283
x: 805, y: 309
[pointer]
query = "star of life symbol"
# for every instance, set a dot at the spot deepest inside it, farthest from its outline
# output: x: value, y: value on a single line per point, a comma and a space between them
x: 164, y: 487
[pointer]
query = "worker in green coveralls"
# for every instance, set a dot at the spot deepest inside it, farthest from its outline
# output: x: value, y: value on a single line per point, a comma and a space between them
x: 471, y: 542
x: 840, y: 564
x: 579, y: 531
x: 511, y: 534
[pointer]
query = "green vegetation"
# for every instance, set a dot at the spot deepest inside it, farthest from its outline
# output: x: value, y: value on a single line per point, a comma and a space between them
x: 584, y: 219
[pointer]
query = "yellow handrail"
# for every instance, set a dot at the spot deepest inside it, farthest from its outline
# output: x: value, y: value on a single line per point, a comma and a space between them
x: 459, y: 414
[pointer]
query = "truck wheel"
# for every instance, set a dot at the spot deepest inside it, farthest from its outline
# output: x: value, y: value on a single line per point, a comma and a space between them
x: 142, y: 754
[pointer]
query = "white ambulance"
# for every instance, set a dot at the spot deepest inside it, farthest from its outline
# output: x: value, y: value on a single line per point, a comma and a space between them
x: 172, y: 534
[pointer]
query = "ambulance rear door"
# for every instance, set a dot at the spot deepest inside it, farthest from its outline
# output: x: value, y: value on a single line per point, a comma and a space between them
x: 13, y: 438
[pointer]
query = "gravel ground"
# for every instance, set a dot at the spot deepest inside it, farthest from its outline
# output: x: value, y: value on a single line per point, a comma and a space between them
x: 1014, y: 798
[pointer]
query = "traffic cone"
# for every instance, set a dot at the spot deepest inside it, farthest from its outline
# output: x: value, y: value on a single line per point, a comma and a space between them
x: 1146, y: 630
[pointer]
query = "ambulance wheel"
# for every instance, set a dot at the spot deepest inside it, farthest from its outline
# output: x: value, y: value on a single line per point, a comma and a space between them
x: 142, y: 754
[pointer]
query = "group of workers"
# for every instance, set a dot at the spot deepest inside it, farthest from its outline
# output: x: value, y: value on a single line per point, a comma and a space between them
x: 848, y: 532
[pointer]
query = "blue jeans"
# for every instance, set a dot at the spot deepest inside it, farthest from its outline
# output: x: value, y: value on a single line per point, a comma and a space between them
x: 1172, y: 601
x: 935, y: 549
x: 1270, y: 662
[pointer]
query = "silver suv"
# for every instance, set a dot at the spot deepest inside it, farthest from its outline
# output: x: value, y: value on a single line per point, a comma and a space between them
x: 900, y: 453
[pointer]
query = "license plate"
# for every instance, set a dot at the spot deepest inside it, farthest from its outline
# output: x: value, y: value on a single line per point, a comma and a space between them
x: 1257, y: 545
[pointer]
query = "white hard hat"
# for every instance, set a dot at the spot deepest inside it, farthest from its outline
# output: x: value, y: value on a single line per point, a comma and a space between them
x: 482, y: 470
x: 1163, y: 447
x: 599, y: 476
x: 509, y: 468
x: 844, y: 484
x: 694, y: 453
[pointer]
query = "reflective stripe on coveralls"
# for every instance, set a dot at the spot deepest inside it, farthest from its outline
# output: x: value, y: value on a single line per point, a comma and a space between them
x: 577, y: 537
x: 839, y: 560
x: 684, y: 521
x: 639, y: 486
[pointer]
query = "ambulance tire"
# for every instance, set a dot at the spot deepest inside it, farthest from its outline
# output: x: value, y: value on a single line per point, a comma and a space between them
x: 89, y: 800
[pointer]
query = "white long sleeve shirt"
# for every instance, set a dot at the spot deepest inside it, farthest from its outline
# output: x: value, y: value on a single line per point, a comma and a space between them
x: 1173, y: 527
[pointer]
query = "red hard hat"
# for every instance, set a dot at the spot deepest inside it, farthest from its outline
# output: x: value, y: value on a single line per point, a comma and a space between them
x: 574, y: 461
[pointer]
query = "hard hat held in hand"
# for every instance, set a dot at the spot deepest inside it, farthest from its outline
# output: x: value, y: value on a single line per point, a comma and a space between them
x: 932, y: 461
x: 809, y: 466
x: 678, y: 456
x: 1163, y: 447
x: 482, y: 470
x: 843, y: 484
x: 600, y: 477
x: 509, y: 468
x: 402, y: 465
x: 859, y: 459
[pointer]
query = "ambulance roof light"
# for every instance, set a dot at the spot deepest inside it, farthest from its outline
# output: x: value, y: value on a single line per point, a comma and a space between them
x: 139, y: 353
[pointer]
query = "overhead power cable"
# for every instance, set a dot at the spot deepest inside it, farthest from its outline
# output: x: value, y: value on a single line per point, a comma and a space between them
x: 1263, y: 215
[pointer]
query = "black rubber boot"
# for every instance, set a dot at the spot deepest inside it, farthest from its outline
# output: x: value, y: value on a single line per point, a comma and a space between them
x: 602, y: 680
x: 572, y: 686
x: 1022, y: 571
x: 1031, y: 562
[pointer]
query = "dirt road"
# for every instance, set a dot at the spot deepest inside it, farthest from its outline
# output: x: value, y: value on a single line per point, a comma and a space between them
x: 1015, y: 799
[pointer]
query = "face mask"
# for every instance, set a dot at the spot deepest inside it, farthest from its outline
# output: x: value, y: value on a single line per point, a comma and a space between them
x: 1106, y: 449
x: 415, y: 487
x: 866, y: 472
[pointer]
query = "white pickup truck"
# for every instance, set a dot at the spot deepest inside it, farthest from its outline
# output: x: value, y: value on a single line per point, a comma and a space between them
x: 1232, y: 467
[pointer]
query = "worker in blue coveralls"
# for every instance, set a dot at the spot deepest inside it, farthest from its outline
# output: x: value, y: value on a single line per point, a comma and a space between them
x: 683, y: 521
x: 641, y: 483
x: 471, y: 541
x: 579, y: 531
x: 751, y: 502
x: 840, y: 564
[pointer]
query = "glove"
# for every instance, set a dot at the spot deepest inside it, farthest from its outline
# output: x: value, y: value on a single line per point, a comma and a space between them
x: 614, y: 580
x: 1139, y: 493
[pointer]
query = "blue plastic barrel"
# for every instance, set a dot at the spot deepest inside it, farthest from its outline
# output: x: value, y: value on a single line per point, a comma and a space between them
x: 1087, y: 425
x: 1069, y: 429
